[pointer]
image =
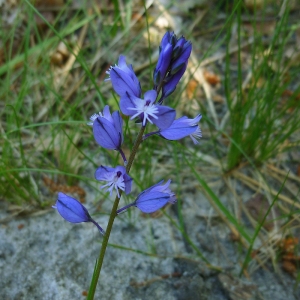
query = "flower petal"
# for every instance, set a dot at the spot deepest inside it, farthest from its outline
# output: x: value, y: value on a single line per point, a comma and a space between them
x: 163, y: 63
x: 128, y: 101
x: 181, y: 128
x: 107, y: 114
x: 170, y: 86
x: 101, y: 172
x: 151, y: 202
x: 118, y: 122
x: 122, y: 82
x: 162, y: 188
x: 166, y: 39
x: 122, y: 62
x: 71, y: 209
x: 128, y: 183
x: 182, y: 59
x: 105, y: 134
x: 151, y: 187
x: 150, y: 95
x: 174, y: 134
x: 166, y: 116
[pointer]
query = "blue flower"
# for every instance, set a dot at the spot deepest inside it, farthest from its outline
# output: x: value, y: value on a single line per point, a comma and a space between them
x: 181, y: 128
x: 181, y: 52
x: 123, y: 79
x: 116, y: 178
x: 107, y: 129
x: 73, y: 211
x: 163, y: 63
x: 153, y: 198
x: 171, y: 83
x: 172, y: 62
x: 147, y: 110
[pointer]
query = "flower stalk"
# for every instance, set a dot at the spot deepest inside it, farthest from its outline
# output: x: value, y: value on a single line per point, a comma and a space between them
x: 113, y: 214
x: 108, y: 133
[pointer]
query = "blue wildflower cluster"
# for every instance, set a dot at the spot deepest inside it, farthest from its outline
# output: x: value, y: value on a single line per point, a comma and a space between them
x: 108, y: 128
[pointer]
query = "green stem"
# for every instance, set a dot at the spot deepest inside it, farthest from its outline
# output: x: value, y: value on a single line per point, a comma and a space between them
x: 135, y: 147
x: 111, y: 220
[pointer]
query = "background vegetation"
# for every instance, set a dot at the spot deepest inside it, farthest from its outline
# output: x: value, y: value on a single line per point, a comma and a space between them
x: 243, y: 77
